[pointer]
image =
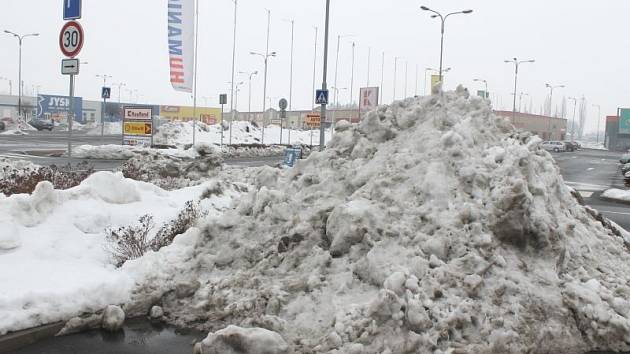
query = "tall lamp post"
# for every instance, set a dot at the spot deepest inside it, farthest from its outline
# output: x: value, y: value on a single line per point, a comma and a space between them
x: 314, y: 72
x: 443, y: 19
x: 232, y: 82
x: 573, y: 119
x: 20, y: 39
x: 339, y: 37
x: 249, y: 99
x: 599, y: 112
x: 266, y: 60
x: 516, y: 63
x: 120, y: 85
x: 520, y: 100
x: 551, y: 88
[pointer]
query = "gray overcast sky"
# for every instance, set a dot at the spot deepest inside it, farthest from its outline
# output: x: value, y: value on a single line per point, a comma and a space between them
x: 582, y: 44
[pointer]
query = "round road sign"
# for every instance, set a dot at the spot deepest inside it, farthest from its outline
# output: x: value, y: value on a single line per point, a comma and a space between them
x: 283, y: 104
x: 71, y: 39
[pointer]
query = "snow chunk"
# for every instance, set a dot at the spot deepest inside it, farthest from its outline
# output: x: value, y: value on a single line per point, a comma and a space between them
x: 113, y: 318
x: 237, y: 340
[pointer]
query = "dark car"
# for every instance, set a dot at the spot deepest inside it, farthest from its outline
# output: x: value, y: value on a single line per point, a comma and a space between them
x: 571, y: 146
x: 42, y: 124
x: 2, y: 126
x: 625, y: 158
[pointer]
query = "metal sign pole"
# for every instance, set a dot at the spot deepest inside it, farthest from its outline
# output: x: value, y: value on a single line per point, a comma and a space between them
x: 323, y: 108
x: 70, y: 119
x: 103, y: 119
x: 221, y: 125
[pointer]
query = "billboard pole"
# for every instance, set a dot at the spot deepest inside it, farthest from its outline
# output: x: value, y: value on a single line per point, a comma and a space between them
x: 323, y: 111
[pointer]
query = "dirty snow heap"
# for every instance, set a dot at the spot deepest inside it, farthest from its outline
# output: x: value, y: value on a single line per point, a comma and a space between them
x: 431, y: 227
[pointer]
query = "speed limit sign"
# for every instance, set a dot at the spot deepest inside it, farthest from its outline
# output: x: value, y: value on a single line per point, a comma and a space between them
x: 71, y: 39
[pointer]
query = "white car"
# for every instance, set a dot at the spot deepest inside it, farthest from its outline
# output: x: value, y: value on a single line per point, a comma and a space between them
x: 555, y: 146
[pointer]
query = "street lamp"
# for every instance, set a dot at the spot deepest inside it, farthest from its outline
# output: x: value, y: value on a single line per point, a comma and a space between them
x: 292, y: 22
x: 573, y: 119
x: 516, y: 63
x: 599, y: 112
x: 551, y: 88
x: 119, y: 84
x: 339, y: 37
x: 395, y: 74
x: 485, y: 82
x: 20, y: 39
x: 10, y: 85
x: 443, y: 19
x: 266, y: 60
x: 250, y: 75
x: 520, y: 99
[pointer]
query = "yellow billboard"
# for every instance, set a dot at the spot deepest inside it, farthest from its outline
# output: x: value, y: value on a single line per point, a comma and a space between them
x: 185, y: 113
x: 137, y: 128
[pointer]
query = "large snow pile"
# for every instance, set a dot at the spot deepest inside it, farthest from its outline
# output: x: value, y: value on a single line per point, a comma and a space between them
x: 181, y: 133
x: 432, y: 227
x: 54, y: 258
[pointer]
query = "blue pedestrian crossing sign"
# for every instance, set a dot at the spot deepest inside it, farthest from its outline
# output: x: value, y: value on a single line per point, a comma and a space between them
x: 106, y: 92
x: 71, y: 9
x: 321, y: 97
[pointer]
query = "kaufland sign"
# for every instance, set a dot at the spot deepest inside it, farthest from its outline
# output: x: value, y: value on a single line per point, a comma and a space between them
x: 368, y: 99
x: 181, y: 19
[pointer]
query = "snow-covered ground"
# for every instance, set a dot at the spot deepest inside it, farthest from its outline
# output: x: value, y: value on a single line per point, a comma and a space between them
x: 617, y: 194
x: 593, y: 145
x: 430, y: 227
x: 110, y: 128
x: 54, y: 260
x: 181, y: 133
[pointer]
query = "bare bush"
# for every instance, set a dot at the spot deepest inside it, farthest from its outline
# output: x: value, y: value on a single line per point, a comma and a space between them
x: 132, y: 242
x: 184, y: 221
x: 16, y: 181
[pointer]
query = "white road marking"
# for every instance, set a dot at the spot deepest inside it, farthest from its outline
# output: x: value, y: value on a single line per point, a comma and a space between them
x: 590, y: 168
x: 613, y: 212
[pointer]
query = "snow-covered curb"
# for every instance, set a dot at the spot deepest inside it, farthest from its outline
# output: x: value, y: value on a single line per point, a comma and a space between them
x: 121, y: 152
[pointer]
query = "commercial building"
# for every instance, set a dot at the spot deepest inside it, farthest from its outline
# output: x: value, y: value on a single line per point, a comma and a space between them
x: 617, y: 136
x: 547, y: 128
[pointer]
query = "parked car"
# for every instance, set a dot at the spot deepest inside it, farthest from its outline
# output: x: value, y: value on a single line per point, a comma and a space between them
x: 42, y: 124
x: 625, y: 168
x: 625, y: 158
x: 572, y: 146
x: 555, y: 146
x: 3, y: 127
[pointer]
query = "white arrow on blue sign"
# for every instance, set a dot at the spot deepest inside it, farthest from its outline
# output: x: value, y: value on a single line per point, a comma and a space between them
x: 71, y: 9
x: 321, y: 97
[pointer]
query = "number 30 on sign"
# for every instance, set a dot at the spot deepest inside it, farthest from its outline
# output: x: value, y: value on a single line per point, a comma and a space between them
x: 71, y: 39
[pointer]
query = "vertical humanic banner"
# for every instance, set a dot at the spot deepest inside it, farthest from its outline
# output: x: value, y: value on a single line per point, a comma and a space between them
x: 181, y: 36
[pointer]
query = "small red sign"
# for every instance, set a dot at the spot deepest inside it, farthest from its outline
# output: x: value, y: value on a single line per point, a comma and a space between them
x: 71, y: 39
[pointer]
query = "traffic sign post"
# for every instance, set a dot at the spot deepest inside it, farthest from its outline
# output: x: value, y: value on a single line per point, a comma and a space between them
x: 71, y: 9
x: 105, y: 94
x: 222, y: 101
x: 321, y: 97
x: 70, y: 43
x: 69, y: 66
x: 283, y: 104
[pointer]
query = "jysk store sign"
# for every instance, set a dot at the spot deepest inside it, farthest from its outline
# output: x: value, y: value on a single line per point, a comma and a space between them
x: 56, y: 108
